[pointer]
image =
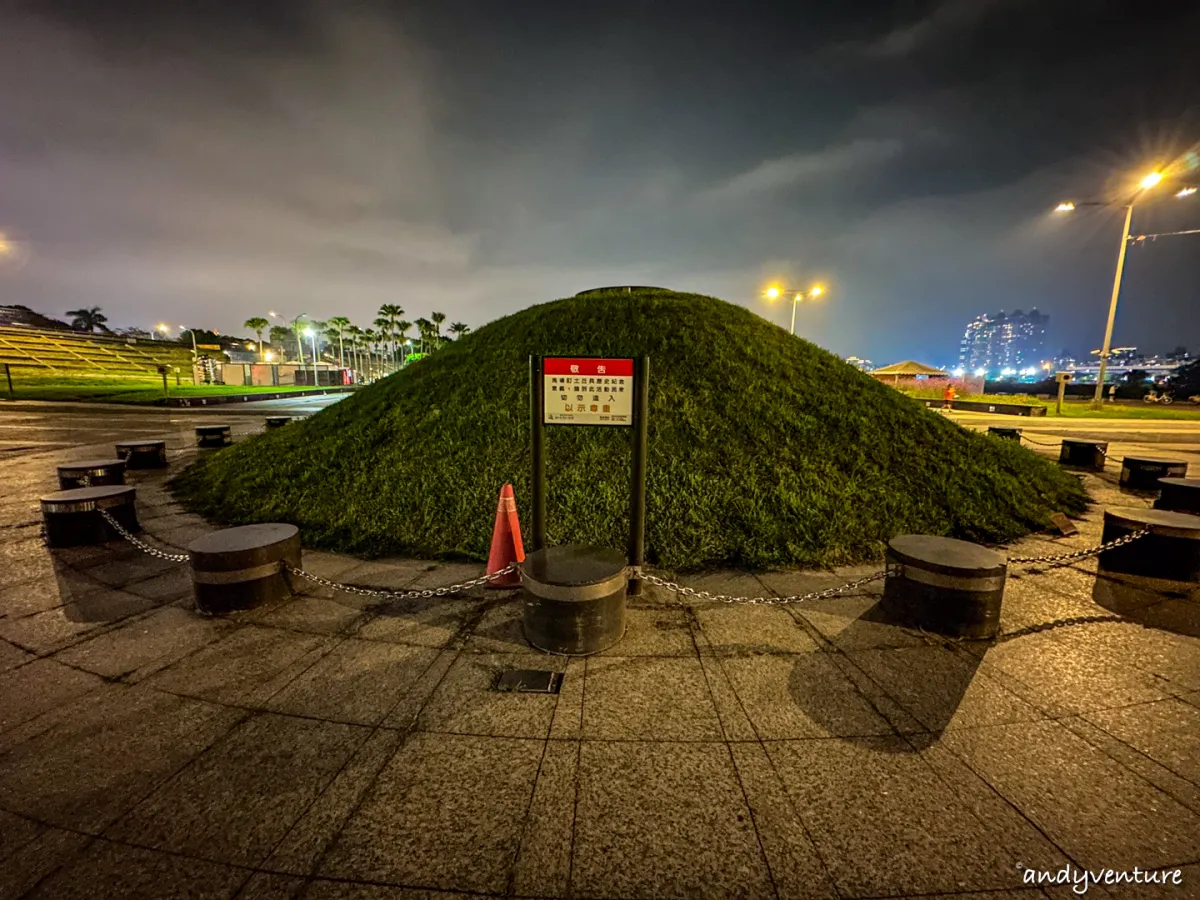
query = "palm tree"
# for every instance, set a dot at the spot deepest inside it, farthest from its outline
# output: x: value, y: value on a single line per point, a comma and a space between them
x: 88, y: 319
x: 352, y: 332
x: 424, y: 328
x: 402, y: 335
x: 258, y: 325
x: 371, y: 336
x: 340, y: 324
x: 383, y: 328
x: 279, y: 335
x: 391, y: 312
x: 459, y: 329
x: 438, y: 319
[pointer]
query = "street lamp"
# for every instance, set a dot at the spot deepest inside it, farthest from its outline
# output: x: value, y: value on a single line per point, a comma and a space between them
x: 166, y: 329
x: 310, y: 333
x: 774, y: 292
x: 1149, y: 181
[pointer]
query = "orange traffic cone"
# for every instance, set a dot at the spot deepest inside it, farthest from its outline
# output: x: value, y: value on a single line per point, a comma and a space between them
x: 506, y: 541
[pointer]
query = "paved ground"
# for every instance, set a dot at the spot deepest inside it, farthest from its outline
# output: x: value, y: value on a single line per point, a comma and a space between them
x: 1149, y: 431
x: 333, y: 747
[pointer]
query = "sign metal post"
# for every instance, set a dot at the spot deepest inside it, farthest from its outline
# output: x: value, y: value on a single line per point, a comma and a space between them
x: 595, y: 392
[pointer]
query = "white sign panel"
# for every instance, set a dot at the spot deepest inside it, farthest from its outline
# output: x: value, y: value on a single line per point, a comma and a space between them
x: 588, y: 391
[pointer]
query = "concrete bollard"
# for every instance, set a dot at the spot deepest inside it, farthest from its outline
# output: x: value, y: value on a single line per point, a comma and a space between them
x: 214, y: 435
x: 240, y: 568
x: 1008, y: 434
x: 1170, y: 551
x: 1141, y: 473
x: 574, y: 599
x: 143, y: 454
x: 944, y: 585
x: 1179, y: 494
x: 91, y: 473
x: 279, y: 421
x: 72, y: 518
x: 1084, y: 454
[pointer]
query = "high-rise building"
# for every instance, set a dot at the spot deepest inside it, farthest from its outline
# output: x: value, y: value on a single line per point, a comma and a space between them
x: 1005, y: 340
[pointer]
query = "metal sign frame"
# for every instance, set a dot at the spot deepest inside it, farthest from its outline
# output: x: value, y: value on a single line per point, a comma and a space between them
x: 636, y: 550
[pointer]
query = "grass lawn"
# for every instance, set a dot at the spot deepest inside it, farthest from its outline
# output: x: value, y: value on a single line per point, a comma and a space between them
x: 1074, y: 409
x: 764, y: 450
x: 116, y: 389
x: 1118, y: 411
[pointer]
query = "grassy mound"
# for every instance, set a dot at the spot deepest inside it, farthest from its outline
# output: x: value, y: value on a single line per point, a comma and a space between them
x: 764, y: 450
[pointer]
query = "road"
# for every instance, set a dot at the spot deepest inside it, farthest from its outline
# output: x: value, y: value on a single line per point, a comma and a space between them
x: 36, y: 427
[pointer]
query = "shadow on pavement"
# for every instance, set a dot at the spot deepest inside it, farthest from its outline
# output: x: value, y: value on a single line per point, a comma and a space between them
x: 1152, y: 602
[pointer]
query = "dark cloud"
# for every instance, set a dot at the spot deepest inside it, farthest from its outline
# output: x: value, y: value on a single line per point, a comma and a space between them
x: 162, y: 159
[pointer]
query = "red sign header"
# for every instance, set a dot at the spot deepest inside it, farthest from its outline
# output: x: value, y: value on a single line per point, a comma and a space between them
x: 562, y: 365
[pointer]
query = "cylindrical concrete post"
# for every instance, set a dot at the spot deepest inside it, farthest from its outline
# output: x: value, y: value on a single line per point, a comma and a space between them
x: 1084, y: 454
x: 1179, y: 494
x: 1171, y: 550
x: 279, y: 421
x: 72, y: 517
x: 944, y: 585
x: 574, y: 599
x: 91, y: 473
x: 1008, y: 434
x: 1141, y: 473
x: 143, y: 454
x: 214, y: 435
x: 239, y: 568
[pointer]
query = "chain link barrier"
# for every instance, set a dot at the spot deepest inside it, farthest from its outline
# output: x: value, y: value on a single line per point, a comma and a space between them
x: 400, y: 595
x: 141, y: 545
x: 1062, y: 559
x: 683, y: 591
x: 1026, y: 437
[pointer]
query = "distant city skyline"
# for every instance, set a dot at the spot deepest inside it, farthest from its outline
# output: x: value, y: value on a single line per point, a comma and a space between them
x: 1004, y: 340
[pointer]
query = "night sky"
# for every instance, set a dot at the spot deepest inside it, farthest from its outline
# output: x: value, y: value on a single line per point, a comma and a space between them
x: 199, y: 163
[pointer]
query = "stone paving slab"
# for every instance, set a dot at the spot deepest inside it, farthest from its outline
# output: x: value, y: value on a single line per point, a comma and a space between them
x: 340, y: 746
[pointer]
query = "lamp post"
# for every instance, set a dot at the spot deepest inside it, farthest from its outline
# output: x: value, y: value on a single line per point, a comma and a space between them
x: 312, y: 334
x: 1149, y: 181
x: 774, y: 292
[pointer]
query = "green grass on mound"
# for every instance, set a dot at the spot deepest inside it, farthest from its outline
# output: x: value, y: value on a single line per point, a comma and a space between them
x: 764, y: 450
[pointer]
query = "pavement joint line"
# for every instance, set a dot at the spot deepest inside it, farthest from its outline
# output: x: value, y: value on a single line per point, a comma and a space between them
x: 1132, y: 749
x: 576, y: 779
x: 520, y: 843
x: 405, y: 732
x: 694, y: 626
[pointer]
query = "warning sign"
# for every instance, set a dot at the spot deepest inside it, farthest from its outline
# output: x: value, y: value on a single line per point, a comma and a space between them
x: 588, y: 391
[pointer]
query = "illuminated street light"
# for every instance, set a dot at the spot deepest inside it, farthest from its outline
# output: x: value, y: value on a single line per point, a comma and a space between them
x: 312, y: 334
x: 1148, y: 181
x: 774, y: 291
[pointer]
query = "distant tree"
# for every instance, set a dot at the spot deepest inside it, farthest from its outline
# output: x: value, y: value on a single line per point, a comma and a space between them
x: 1134, y: 377
x: 458, y: 329
x: 339, y: 324
x: 88, y: 318
x: 402, y: 335
x: 1186, y: 380
x: 391, y: 312
x: 1178, y: 353
x: 279, y: 335
x: 425, y: 330
x: 438, y: 318
x: 258, y: 325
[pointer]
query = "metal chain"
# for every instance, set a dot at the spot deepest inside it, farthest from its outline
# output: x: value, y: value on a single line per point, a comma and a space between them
x: 141, y: 545
x: 683, y: 591
x: 1039, y: 443
x: 401, y: 595
x: 1080, y: 554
